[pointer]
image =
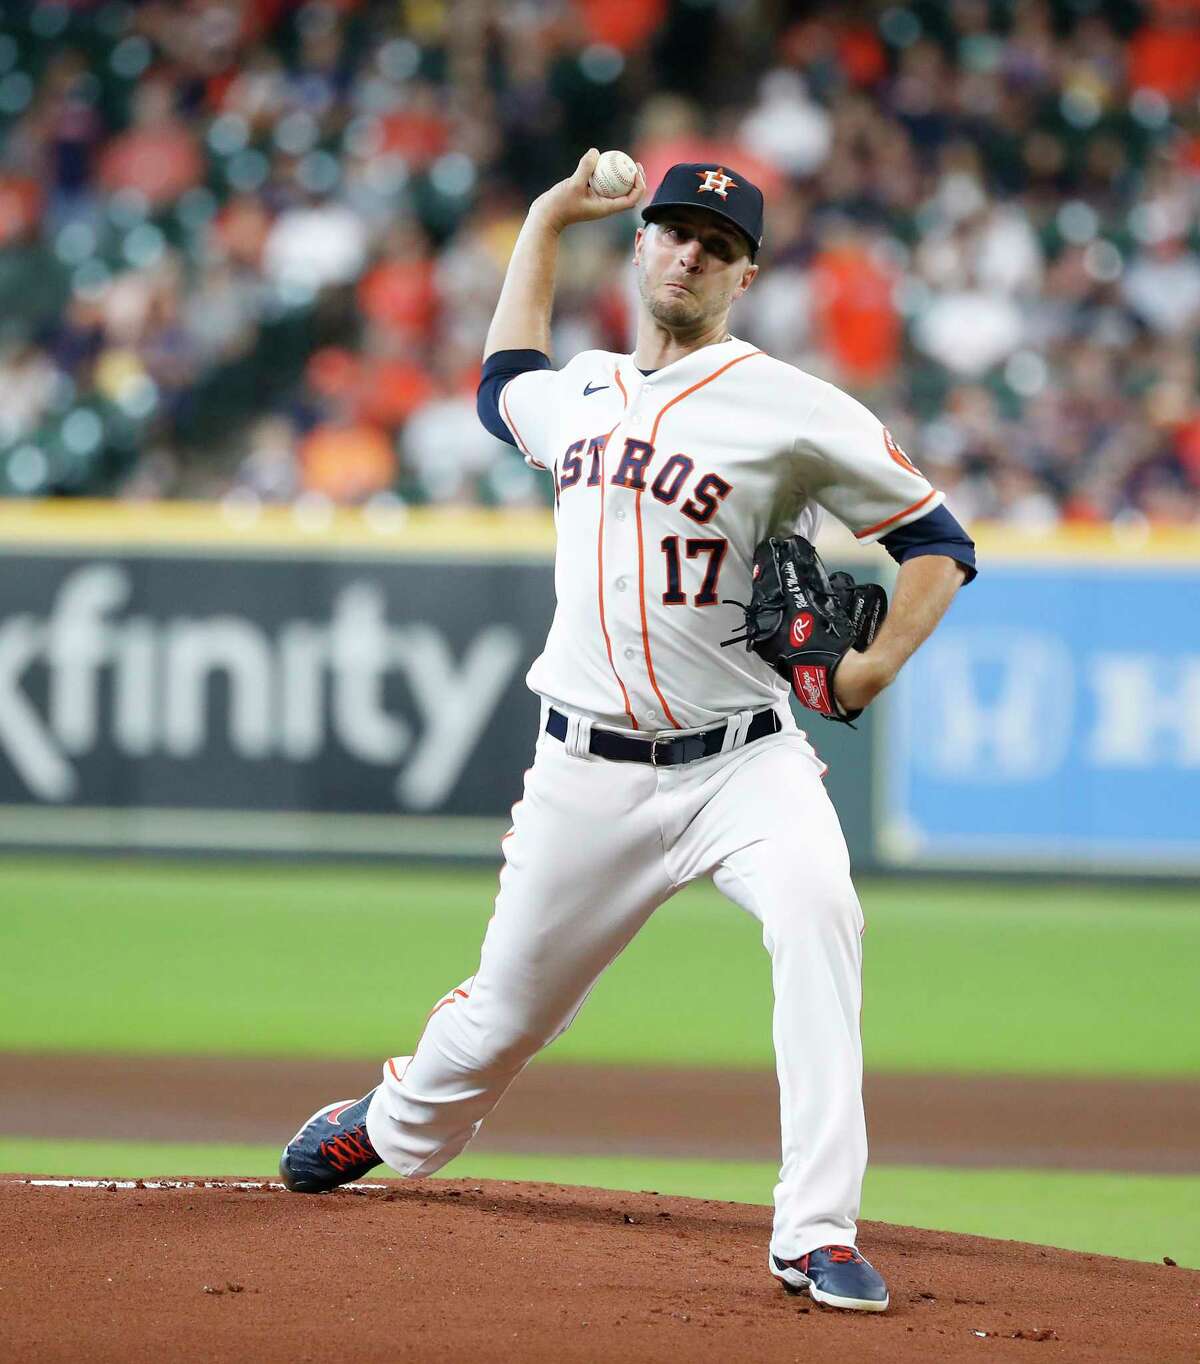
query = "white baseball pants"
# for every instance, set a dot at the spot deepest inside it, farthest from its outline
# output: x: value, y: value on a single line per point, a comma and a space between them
x: 596, y: 847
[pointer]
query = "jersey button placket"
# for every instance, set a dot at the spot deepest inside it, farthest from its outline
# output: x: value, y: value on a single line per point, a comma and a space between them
x: 621, y: 556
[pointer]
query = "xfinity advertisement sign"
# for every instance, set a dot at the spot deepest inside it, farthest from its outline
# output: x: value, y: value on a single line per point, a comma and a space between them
x: 365, y: 687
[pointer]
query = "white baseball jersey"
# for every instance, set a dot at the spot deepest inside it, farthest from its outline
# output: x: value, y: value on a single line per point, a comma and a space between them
x: 664, y: 485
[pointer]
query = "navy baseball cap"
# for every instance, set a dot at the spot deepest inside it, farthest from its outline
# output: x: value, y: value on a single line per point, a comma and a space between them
x: 720, y: 189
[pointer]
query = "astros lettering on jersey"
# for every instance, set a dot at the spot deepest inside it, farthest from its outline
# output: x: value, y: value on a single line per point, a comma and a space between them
x: 664, y: 484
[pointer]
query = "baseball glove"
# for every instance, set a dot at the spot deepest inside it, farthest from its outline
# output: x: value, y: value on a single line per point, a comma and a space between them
x: 803, y: 621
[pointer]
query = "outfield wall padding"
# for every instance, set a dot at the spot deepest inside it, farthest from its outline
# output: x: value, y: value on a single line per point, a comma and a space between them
x: 195, y: 679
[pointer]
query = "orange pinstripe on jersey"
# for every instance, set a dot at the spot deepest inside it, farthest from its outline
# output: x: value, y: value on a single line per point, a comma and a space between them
x: 600, y: 564
x: 879, y: 525
x: 679, y: 397
x: 687, y: 392
x: 512, y: 425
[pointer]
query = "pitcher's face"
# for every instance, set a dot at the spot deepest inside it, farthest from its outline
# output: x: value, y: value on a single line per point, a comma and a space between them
x: 691, y: 267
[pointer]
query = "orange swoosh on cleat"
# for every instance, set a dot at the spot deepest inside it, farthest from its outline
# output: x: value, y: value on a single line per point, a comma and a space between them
x: 335, y: 1114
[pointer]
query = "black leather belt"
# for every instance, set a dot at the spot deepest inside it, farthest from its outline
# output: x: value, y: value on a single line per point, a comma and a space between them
x: 664, y: 752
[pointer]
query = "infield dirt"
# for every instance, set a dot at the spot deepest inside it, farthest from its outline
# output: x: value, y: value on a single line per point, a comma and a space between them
x: 507, y: 1272
x: 1069, y: 1123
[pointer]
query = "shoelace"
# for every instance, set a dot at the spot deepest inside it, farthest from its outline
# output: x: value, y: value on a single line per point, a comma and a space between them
x: 349, y: 1148
x: 840, y: 1255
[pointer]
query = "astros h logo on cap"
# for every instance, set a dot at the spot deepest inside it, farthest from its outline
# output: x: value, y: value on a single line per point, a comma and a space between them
x: 719, y: 189
x: 716, y: 180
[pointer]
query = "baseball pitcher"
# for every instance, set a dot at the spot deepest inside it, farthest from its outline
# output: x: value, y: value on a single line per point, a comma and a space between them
x: 689, y: 480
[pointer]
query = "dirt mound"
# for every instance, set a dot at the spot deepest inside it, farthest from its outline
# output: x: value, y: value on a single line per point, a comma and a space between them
x: 500, y: 1271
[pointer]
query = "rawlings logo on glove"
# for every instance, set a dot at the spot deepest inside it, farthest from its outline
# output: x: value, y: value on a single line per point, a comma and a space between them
x: 802, y: 628
x: 803, y: 621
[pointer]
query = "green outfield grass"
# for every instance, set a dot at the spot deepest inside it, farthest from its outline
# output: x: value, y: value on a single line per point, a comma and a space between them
x: 1140, y: 1217
x: 218, y: 958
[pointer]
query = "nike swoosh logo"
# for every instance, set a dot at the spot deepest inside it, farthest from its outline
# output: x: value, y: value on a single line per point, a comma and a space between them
x: 589, y: 388
x: 335, y: 1114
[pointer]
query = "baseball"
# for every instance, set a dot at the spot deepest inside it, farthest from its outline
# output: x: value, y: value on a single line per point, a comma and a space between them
x: 614, y: 175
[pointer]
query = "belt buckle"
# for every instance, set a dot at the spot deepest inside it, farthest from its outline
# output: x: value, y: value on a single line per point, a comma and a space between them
x: 690, y: 746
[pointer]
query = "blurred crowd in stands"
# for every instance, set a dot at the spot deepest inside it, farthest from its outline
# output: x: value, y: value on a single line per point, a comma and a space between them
x: 249, y: 249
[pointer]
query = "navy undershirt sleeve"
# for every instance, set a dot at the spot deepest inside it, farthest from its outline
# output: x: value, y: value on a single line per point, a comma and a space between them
x: 498, y: 369
x: 937, y: 532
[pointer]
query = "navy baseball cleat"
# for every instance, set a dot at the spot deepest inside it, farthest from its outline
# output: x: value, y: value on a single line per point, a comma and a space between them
x: 837, y: 1276
x: 331, y: 1148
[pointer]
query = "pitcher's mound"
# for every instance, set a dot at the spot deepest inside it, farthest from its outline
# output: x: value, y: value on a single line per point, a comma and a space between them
x: 497, y: 1271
